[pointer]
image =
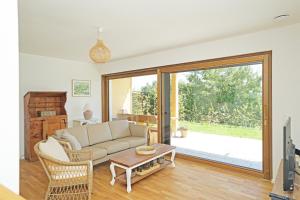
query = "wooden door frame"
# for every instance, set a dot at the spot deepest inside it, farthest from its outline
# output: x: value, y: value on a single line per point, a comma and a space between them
x: 105, y: 86
x: 263, y: 57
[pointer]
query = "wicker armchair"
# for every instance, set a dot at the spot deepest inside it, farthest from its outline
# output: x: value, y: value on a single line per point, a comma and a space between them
x: 68, y: 180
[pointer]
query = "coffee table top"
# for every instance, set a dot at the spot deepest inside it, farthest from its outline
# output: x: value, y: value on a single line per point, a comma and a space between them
x: 129, y: 157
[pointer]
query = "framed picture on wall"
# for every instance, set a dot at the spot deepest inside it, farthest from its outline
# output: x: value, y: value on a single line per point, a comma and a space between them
x: 81, y: 88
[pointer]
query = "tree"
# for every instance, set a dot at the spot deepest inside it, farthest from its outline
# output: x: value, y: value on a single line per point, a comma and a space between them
x: 227, y: 95
x: 231, y: 95
x: 145, y: 101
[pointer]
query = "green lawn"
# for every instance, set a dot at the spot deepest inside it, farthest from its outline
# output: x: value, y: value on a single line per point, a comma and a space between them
x: 235, y: 131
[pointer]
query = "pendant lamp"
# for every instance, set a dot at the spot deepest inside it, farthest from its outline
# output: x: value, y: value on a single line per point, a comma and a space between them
x: 99, y: 53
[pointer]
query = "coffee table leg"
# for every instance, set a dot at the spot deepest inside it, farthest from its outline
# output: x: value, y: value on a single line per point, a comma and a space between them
x: 128, y: 179
x: 113, y: 173
x: 173, y: 158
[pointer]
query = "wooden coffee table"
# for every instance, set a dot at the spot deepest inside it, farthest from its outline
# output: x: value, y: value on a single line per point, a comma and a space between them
x: 129, y: 160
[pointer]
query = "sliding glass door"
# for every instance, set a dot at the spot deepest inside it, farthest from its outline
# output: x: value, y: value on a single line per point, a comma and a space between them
x: 134, y: 98
x: 216, y: 110
x: 215, y: 114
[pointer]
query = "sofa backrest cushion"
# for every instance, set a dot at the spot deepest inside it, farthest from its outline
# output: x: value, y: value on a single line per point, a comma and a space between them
x: 138, y: 130
x: 119, y: 129
x: 72, y: 140
x: 79, y: 132
x: 99, y: 133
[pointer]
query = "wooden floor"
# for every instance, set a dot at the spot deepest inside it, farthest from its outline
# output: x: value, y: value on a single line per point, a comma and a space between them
x: 189, y: 180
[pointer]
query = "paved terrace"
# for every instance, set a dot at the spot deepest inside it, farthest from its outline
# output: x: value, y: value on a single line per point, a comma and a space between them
x: 234, y: 150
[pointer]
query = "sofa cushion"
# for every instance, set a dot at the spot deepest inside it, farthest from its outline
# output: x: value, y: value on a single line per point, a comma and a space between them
x: 72, y: 140
x: 98, y: 133
x: 80, y: 133
x: 97, y: 152
x: 113, y: 146
x: 138, y: 130
x: 53, y: 149
x: 134, y: 141
x: 119, y: 129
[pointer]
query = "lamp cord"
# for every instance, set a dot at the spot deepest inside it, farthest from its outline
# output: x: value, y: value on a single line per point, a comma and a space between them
x: 99, y: 31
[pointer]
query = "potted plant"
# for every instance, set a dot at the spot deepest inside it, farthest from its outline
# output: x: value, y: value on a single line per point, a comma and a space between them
x: 183, y: 131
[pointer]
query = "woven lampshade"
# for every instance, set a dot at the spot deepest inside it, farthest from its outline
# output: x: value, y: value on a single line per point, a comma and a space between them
x: 99, y: 53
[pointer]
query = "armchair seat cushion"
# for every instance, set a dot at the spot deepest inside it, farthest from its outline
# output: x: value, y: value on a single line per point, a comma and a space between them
x: 97, y: 152
x: 113, y: 146
x: 133, y: 141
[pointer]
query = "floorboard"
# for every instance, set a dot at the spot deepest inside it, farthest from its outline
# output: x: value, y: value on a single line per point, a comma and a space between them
x: 188, y: 180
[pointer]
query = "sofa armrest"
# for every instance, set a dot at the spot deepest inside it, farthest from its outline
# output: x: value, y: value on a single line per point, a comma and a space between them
x: 138, y: 130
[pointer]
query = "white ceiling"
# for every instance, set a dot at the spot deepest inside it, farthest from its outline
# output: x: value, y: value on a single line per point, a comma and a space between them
x: 67, y: 28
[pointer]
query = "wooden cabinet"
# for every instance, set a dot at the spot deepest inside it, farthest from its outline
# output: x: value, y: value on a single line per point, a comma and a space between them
x: 44, y: 114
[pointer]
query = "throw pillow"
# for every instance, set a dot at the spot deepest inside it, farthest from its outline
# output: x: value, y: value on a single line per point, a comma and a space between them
x: 53, y: 149
x: 73, y: 141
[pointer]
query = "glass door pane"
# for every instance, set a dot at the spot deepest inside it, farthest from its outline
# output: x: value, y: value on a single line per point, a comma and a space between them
x: 135, y: 99
x: 215, y: 114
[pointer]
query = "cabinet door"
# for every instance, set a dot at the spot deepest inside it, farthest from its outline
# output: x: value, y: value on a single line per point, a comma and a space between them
x: 32, y: 143
x: 36, y: 130
x: 34, y: 135
x: 51, y: 125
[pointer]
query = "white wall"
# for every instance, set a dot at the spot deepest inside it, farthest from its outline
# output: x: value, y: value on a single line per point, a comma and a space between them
x: 120, y: 96
x: 9, y: 136
x: 285, y: 44
x: 38, y: 73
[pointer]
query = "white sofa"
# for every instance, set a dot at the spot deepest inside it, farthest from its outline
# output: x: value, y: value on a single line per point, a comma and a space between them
x: 107, y: 138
